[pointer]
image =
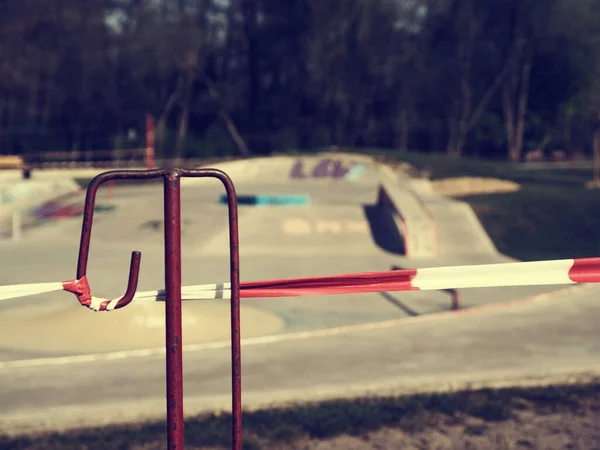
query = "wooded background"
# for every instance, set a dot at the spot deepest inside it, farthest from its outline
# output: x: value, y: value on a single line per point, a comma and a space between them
x: 488, y: 79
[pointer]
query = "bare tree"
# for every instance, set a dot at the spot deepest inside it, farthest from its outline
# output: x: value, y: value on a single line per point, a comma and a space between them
x: 471, y: 99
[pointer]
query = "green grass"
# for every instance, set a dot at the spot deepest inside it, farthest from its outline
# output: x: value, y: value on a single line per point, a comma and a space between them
x: 285, y: 427
x: 542, y: 222
x: 442, y: 166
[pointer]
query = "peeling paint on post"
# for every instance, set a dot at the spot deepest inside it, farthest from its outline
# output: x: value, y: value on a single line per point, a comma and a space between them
x: 172, y: 207
x: 174, y: 343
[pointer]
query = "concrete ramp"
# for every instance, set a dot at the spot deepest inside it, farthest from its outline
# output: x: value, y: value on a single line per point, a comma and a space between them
x: 70, y: 329
x: 459, y: 231
x: 318, y: 230
x: 407, y: 211
x: 435, y: 228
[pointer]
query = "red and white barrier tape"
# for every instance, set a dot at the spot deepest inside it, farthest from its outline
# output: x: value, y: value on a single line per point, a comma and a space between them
x: 567, y: 271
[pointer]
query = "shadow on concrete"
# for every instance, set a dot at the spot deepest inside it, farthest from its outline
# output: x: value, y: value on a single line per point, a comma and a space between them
x: 453, y: 293
x: 384, y: 231
x: 390, y: 298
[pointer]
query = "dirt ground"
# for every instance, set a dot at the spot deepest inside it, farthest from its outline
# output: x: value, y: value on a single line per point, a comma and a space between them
x: 539, y: 418
x: 462, y: 186
x: 594, y: 184
x: 526, y: 431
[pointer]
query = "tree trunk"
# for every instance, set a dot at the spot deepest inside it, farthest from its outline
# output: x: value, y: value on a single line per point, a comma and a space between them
x: 466, y: 116
x: 226, y: 117
x: 47, y: 101
x: 522, y: 108
x: 250, y: 15
x: 11, y: 148
x: 161, y: 124
x: 508, y: 92
x: 185, y: 114
x: 34, y: 90
x: 567, y: 132
x: 597, y: 156
x: 515, y: 99
x: 404, y: 128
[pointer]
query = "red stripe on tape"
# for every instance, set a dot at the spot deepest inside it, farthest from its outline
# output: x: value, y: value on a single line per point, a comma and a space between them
x: 397, y: 280
x: 585, y: 270
x: 81, y: 289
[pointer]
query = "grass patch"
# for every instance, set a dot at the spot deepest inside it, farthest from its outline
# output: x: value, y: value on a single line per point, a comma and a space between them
x: 441, y: 166
x: 478, y: 414
x: 542, y: 222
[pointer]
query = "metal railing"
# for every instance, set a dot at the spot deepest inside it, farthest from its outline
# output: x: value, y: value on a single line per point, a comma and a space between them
x: 172, y: 233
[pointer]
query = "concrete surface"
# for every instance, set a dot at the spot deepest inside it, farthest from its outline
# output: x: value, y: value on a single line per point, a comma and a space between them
x: 411, y: 215
x: 141, y: 325
x: 512, y: 345
x: 458, y: 230
x: 295, y: 348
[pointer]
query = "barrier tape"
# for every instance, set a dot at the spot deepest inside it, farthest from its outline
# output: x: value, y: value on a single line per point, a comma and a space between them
x: 556, y: 272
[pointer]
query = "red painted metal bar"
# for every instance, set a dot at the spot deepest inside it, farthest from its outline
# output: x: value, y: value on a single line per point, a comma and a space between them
x: 174, y: 344
x: 455, y: 299
x: 234, y: 269
x: 172, y: 227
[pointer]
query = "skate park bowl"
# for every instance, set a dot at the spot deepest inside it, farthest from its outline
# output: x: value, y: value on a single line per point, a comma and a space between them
x: 336, y: 225
x: 58, y: 328
x: 333, y: 226
x: 56, y: 355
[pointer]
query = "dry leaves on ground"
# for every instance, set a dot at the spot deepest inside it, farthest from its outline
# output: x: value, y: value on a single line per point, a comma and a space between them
x: 463, y: 186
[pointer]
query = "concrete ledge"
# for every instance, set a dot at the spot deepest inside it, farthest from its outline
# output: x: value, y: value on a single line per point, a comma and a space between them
x: 459, y: 231
x: 410, y: 215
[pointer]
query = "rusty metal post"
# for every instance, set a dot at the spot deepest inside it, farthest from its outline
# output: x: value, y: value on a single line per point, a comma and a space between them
x: 172, y: 227
x: 234, y: 278
x: 174, y: 345
x: 455, y: 299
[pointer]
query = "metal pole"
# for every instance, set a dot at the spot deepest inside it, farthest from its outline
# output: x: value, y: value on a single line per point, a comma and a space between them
x: 236, y: 352
x: 172, y: 225
x: 111, y: 190
x: 16, y: 225
x: 174, y: 343
x: 149, y: 142
x: 455, y: 299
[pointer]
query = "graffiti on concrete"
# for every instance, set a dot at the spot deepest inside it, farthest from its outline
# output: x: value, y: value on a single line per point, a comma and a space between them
x: 327, y: 168
x: 296, y: 226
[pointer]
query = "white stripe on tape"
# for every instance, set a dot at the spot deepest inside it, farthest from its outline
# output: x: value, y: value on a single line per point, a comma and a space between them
x: 197, y: 292
x: 454, y: 277
x: 495, y: 275
x: 24, y: 290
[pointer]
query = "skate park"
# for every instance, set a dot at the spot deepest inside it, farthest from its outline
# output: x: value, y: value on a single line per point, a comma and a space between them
x: 58, y: 359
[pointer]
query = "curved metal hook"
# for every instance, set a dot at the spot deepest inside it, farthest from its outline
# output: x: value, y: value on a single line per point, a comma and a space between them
x: 81, y: 287
x: 132, y: 282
